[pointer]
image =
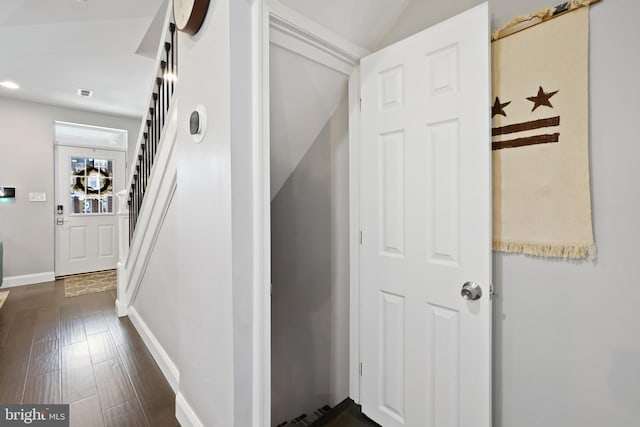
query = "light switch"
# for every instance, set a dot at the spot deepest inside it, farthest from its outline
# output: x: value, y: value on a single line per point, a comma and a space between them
x: 37, y: 197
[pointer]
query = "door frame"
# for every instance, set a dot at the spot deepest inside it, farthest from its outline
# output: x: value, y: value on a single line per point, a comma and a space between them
x: 62, y: 140
x: 293, y: 31
x: 355, y: 236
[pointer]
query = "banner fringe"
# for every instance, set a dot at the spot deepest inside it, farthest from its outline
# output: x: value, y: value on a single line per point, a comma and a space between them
x: 577, y: 251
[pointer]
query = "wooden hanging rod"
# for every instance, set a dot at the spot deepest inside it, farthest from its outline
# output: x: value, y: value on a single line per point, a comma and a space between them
x: 523, y: 22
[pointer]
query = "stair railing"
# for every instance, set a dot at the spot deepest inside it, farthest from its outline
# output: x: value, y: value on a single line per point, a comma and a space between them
x: 156, y: 117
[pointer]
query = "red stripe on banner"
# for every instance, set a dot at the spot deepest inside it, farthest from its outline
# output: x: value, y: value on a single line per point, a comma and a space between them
x: 523, y: 142
x: 519, y: 127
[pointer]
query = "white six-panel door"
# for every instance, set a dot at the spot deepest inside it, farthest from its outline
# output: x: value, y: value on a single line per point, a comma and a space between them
x: 86, y: 237
x: 426, y: 224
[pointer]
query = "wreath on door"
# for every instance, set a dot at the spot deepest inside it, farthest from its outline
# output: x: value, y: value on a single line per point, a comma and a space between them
x: 103, y: 177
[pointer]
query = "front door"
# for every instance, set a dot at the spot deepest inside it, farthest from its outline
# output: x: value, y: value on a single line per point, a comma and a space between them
x: 426, y: 227
x: 86, y: 236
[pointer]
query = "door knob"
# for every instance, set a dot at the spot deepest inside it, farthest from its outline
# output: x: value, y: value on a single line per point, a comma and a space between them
x: 471, y: 291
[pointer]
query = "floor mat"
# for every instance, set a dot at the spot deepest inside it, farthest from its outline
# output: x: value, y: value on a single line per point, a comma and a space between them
x: 3, y: 297
x: 89, y: 283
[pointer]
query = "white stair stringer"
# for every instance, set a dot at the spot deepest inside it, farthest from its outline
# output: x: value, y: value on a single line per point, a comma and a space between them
x: 157, y: 199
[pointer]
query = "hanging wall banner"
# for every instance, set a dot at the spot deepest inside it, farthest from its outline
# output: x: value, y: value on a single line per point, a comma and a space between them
x: 542, y: 202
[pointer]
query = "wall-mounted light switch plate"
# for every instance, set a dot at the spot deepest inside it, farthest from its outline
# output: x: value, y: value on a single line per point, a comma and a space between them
x: 37, y: 197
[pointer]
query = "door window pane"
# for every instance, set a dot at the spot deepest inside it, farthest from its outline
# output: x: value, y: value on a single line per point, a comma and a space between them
x: 91, y: 186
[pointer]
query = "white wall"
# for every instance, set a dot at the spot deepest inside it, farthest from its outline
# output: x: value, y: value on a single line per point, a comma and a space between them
x: 156, y: 299
x: 301, y: 280
x: 203, y: 203
x: 219, y: 345
x: 310, y: 277
x: 26, y: 162
x: 566, y: 346
x: 339, y: 357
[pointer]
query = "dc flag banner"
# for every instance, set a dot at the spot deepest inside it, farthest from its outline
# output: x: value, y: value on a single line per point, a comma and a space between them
x: 540, y: 139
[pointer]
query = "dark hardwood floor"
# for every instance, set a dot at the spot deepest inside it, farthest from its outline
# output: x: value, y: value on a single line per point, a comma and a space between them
x: 76, y: 350
x: 345, y: 414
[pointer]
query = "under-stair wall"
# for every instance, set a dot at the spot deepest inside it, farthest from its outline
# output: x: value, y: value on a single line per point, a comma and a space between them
x: 310, y: 324
x: 154, y: 311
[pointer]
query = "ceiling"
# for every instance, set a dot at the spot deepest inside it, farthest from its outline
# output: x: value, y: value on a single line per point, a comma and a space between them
x: 59, y: 46
x: 363, y: 22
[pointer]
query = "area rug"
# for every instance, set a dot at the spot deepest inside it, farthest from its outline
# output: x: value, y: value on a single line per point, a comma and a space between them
x: 542, y: 200
x: 3, y: 297
x: 81, y: 284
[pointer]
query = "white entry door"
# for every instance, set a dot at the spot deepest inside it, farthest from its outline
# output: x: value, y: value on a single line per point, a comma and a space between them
x: 426, y: 224
x: 86, y: 236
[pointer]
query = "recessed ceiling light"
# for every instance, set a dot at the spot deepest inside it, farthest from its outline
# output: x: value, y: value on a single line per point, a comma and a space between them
x: 85, y: 92
x: 9, y: 85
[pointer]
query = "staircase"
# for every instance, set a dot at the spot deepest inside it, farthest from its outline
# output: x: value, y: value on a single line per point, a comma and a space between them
x: 152, y: 176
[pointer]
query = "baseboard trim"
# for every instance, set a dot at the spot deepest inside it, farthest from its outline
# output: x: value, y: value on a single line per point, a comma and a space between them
x: 28, y: 279
x: 168, y: 368
x: 185, y: 414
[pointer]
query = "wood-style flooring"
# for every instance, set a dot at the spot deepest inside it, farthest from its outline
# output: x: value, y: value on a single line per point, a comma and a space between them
x: 76, y: 350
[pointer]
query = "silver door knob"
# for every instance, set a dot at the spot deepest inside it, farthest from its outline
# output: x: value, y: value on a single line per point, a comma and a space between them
x: 471, y: 291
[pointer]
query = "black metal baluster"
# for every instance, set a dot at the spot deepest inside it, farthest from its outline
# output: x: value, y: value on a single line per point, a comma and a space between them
x: 152, y: 143
x: 135, y: 200
x: 143, y: 184
x: 130, y: 221
x: 158, y: 109
x: 147, y: 154
x: 161, y: 104
x: 169, y: 74
x: 139, y: 187
x: 147, y: 137
x: 132, y: 200
x: 174, y: 57
x: 143, y: 165
x: 133, y: 205
x: 155, y: 123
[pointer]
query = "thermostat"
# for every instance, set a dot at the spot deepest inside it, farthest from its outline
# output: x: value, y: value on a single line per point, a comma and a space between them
x: 198, y: 123
x: 7, y: 192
